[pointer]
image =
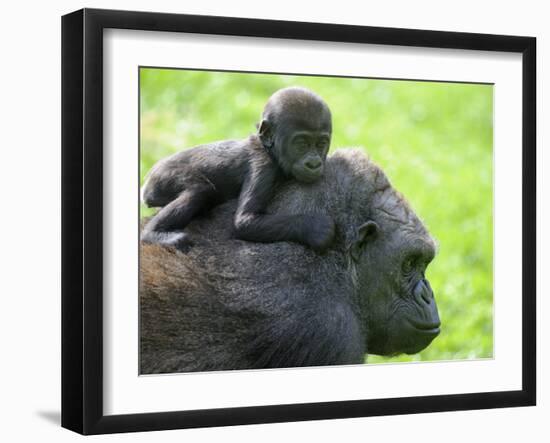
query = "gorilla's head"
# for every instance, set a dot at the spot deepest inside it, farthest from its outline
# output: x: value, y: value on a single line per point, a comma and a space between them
x: 296, y: 128
x: 389, y: 250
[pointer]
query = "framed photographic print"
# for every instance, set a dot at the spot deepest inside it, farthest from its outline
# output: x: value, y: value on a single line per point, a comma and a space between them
x: 269, y: 221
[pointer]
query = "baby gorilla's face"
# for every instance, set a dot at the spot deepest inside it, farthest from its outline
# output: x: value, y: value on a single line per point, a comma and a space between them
x: 296, y: 128
x: 305, y: 149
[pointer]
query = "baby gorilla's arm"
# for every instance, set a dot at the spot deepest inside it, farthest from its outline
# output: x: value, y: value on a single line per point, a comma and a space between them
x: 252, y: 224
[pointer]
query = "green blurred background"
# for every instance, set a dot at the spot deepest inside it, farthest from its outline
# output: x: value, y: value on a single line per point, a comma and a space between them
x: 434, y: 141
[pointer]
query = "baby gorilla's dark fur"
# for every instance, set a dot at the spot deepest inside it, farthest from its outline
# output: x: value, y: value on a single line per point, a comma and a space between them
x: 292, y: 142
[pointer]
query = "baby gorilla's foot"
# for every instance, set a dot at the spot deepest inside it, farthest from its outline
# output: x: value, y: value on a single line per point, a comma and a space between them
x: 179, y: 240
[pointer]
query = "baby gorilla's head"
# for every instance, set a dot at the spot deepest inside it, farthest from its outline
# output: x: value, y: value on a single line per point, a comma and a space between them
x: 296, y: 129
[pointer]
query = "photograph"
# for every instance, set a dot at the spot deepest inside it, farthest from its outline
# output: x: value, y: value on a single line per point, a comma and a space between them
x: 291, y: 220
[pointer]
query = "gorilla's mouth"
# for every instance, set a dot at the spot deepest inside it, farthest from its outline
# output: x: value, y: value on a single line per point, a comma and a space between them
x: 427, y: 328
x: 307, y: 176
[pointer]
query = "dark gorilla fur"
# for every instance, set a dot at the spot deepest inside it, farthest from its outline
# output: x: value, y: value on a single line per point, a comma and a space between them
x: 232, y: 304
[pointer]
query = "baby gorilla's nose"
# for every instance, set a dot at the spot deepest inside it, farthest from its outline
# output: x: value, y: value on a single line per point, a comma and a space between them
x: 313, y: 164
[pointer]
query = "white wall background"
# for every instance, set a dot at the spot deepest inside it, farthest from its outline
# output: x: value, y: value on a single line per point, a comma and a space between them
x: 30, y: 243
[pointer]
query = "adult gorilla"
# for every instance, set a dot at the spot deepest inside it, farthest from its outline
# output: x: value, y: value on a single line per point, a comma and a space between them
x: 231, y: 304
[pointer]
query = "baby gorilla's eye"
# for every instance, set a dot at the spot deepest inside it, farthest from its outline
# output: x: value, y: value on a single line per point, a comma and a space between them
x: 322, y: 145
x: 300, y: 144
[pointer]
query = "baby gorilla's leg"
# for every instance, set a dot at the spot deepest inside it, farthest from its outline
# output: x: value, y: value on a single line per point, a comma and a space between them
x: 166, y: 227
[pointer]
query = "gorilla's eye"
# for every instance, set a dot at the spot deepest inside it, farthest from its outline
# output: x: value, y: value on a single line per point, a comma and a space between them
x: 408, y: 265
x: 322, y: 145
x: 301, y: 147
x: 300, y: 141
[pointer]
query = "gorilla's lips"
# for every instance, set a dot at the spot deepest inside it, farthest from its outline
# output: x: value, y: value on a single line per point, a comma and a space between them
x: 427, y: 328
x: 307, y: 176
x: 420, y: 335
x: 409, y: 337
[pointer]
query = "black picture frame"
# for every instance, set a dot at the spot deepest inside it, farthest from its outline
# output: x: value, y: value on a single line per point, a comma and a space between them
x: 82, y: 218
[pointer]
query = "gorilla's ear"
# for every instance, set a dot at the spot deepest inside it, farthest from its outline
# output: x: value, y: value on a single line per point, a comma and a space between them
x: 365, y: 233
x: 265, y: 131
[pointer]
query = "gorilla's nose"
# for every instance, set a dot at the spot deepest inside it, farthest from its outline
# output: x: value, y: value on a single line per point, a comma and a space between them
x: 313, y: 164
x: 423, y: 291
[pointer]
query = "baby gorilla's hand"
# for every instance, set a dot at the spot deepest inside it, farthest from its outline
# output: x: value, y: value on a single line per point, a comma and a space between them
x: 320, y: 233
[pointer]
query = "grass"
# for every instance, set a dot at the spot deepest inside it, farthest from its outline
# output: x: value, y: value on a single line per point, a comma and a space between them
x: 434, y: 140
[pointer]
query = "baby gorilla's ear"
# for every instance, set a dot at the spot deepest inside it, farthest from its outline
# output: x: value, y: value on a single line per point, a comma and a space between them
x: 265, y: 131
x: 365, y: 234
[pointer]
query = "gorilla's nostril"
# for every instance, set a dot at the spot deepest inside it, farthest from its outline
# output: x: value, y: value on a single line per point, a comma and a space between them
x: 427, y: 296
x: 427, y: 293
x: 423, y: 292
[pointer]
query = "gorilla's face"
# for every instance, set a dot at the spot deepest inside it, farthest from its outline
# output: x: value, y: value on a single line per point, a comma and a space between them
x: 306, y: 152
x: 400, y: 308
x: 296, y: 129
x: 300, y: 145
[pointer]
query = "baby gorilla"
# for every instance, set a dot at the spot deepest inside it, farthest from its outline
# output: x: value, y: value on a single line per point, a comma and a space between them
x: 292, y: 142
